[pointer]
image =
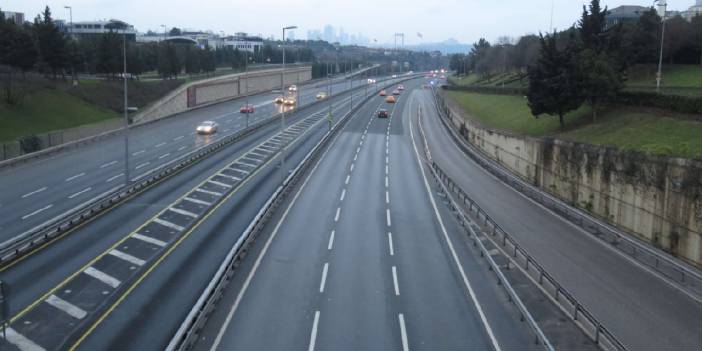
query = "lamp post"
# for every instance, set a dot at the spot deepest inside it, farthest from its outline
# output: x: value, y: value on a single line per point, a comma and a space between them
x: 662, y: 9
x: 282, y: 115
x: 126, y: 105
x: 246, y: 78
x: 70, y: 30
x: 164, y: 32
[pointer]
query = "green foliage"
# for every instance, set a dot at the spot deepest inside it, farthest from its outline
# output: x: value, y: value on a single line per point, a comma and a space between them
x: 553, y: 84
x: 51, y: 43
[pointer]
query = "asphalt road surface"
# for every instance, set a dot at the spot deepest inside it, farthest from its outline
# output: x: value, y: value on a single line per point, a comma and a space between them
x: 644, y: 311
x: 366, y: 258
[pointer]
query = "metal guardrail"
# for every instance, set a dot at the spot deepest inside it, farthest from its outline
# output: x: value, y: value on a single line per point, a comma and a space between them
x: 592, y: 327
x: 25, y: 242
x: 186, y: 335
x: 445, y: 184
x: 687, y: 278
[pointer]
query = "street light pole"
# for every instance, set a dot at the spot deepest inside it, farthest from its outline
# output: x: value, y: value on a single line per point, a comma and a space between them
x: 246, y: 78
x: 662, y: 7
x: 282, y: 115
x: 126, y: 108
x: 70, y: 16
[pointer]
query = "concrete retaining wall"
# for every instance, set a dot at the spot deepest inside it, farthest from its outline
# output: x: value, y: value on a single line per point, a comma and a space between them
x: 202, y: 93
x: 655, y: 198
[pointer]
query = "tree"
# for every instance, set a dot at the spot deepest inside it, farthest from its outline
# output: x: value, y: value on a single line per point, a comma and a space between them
x: 642, y: 38
x: 109, y: 54
x: 696, y: 27
x: 553, y: 86
x: 174, y: 32
x: 192, y: 60
x: 51, y: 43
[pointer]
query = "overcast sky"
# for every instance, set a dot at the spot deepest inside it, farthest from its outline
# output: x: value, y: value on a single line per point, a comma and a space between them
x: 437, y: 20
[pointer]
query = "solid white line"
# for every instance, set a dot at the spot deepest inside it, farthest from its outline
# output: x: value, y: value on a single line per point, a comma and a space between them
x: 394, y: 281
x: 392, y: 249
x: 324, y: 277
x: 183, y: 212
x: 37, y: 211
x: 159, y: 145
x: 348, y: 177
x: 456, y: 260
x: 331, y: 240
x: 80, y: 192
x: 164, y: 156
x: 127, y: 257
x: 149, y: 240
x: 219, y: 183
x: 208, y: 192
x: 33, y: 192
x: 19, y: 340
x: 74, y: 177
x: 387, y: 197
x: 102, y: 276
x: 313, y: 335
x: 138, y: 152
x: 108, y: 164
x: 65, y: 306
x: 343, y: 195
x: 403, y: 333
x: 115, y: 177
x: 168, y: 224
x: 338, y: 212
x: 197, y: 201
x: 142, y: 165
x: 387, y: 216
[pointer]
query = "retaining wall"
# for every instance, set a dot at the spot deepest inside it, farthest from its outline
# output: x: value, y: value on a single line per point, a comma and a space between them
x: 655, y: 198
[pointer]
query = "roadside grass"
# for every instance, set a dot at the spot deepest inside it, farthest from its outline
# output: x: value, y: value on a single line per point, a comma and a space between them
x: 683, y: 76
x: 109, y: 93
x: 47, y: 110
x: 650, y: 131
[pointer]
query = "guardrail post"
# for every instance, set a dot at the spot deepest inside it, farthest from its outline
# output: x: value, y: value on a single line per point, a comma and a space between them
x: 575, y: 312
x: 597, y: 333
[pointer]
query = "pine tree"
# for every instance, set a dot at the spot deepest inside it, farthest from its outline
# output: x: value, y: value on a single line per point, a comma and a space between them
x: 51, y: 43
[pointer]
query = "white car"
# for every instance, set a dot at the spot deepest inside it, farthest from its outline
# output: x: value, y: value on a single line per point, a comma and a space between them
x: 207, y: 127
x: 292, y: 88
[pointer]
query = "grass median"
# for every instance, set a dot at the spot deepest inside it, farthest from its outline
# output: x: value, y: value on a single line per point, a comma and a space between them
x: 647, y: 130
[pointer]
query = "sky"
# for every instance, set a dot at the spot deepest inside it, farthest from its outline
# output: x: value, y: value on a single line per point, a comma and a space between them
x: 437, y: 20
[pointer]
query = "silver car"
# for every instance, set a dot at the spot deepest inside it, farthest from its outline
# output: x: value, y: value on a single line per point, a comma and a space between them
x: 207, y: 127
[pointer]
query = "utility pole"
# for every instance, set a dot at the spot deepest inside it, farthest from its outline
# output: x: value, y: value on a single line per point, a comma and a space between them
x: 662, y: 11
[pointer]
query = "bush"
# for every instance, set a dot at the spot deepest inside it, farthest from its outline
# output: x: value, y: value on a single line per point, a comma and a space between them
x: 30, y: 144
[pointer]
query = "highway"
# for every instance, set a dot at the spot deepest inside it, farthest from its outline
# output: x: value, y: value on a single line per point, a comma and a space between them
x: 35, y: 192
x: 137, y: 269
x: 644, y: 311
x: 365, y: 258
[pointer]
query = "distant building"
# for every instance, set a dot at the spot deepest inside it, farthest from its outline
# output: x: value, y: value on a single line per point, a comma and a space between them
x: 17, y: 17
x: 245, y: 42
x: 695, y: 10
x: 623, y: 14
x: 92, y: 29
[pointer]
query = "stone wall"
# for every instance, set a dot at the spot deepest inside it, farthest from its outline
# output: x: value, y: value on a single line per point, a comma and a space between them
x: 210, y: 91
x: 658, y: 199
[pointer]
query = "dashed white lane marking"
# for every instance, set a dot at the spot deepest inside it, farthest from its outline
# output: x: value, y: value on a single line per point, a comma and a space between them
x: 351, y: 169
x: 182, y: 148
x: 138, y: 152
x: 33, y: 192
x: 387, y: 170
x: 348, y: 177
x: 37, y: 211
x: 338, y: 212
x: 387, y: 197
x: 74, y: 177
x: 168, y: 224
x: 127, y: 257
x: 196, y: 201
x: 142, y: 165
x: 19, y: 340
x: 164, y: 156
x: 114, y: 177
x: 160, y: 144
x: 208, y: 192
x: 386, y: 182
x: 394, y: 281
x: 313, y: 335
x: 358, y: 149
x: 403, y: 333
x: 178, y: 138
x: 387, y: 160
x: 80, y: 192
x: 108, y: 164
x: 331, y: 240
x: 390, y: 245
x: 102, y: 276
x: 149, y: 240
x: 183, y: 212
x: 387, y: 217
x: 343, y: 195
x: 355, y: 157
x: 65, y: 306
x: 324, y: 278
